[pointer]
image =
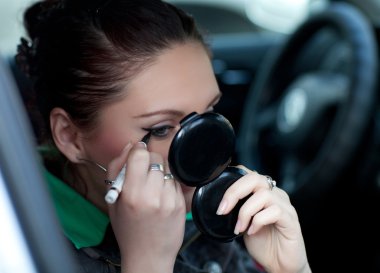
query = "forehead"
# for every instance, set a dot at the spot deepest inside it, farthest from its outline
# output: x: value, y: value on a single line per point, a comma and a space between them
x: 180, y: 75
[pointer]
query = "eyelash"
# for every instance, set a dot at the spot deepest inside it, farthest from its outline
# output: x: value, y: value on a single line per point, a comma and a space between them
x: 157, y: 131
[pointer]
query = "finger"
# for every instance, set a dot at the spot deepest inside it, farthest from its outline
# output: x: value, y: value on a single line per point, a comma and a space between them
x: 137, y: 166
x: 257, y: 202
x: 172, y: 197
x: 243, y: 187
x: 273, y: 215
x: 244, y: 168
x: 264, y: 218
x: 170, y: 181
x: 168, y: 176
x: 156, y: 171
x: 275, y: 209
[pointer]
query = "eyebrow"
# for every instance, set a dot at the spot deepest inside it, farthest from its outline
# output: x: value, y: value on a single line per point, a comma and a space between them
x: 161, y: 112
x: 175, y: 112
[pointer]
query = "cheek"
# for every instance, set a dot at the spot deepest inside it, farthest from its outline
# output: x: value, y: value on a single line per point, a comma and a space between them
x: 106, y: 147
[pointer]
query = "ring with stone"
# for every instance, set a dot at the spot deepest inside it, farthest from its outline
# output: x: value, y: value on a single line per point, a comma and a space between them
x: 270, y: 182
x: 168, y: 176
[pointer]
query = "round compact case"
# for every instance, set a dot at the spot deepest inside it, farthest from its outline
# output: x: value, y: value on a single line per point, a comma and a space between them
x: 199, y: 156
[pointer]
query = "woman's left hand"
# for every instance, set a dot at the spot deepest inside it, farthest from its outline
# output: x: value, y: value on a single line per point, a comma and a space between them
x: 272, y: 232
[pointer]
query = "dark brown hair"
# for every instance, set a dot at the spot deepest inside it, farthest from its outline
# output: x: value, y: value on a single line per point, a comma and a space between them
x: 82, y: 53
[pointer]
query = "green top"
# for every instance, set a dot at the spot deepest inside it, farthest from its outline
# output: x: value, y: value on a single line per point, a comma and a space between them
x: 82, y: 222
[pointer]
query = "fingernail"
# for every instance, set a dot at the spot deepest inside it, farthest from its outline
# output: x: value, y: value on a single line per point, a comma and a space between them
x: 222, y: 207
x: 237, y: 227
x: 141, y: 144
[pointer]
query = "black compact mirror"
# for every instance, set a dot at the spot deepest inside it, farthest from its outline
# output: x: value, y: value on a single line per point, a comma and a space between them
x: 199, y: 156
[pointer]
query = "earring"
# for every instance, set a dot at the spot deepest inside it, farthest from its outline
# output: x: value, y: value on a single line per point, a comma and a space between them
x: 94, y: 164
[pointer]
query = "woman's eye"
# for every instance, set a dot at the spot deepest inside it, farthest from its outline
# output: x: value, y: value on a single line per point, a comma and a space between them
x: 162, y: 131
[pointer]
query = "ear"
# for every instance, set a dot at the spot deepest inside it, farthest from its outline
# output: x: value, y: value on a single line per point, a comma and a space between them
x: 66, y: 134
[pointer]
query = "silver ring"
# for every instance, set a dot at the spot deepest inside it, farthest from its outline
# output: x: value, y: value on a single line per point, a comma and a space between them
x: 156, y: 167
x: 271, y: 182
x: 168, y: 176
x: 109, y: 182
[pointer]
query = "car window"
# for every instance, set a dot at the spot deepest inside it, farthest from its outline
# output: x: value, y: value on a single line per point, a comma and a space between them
x: 21, y: 174
x: 237, y: 16
x: 11, y: 13
x: 14, y: 253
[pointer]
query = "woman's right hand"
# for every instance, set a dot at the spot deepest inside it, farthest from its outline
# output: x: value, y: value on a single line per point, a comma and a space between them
x: 149, y: 216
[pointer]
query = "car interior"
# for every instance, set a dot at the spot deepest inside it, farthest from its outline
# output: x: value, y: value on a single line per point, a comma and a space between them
x: 310, y: 117
x: 303, y: 99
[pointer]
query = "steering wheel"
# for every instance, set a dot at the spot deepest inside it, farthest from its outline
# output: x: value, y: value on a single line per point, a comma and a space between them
x: 307, y: 111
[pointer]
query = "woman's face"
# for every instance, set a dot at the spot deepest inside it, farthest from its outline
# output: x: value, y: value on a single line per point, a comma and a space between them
x: 179, y: 82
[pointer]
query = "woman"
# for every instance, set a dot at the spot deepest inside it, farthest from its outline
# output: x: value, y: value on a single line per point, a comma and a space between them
x: 106, y: 74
